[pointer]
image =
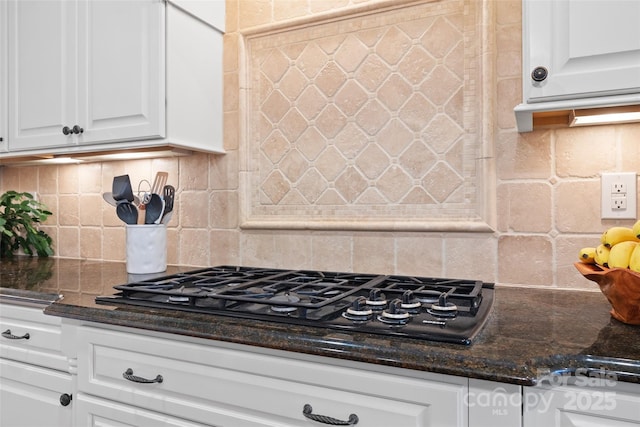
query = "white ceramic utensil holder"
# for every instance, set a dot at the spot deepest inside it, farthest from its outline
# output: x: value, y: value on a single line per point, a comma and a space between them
x: 146, y: 249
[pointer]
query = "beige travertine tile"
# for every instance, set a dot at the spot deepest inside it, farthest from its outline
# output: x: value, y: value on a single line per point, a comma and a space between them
x: 91, y: 242
x: 585, y: 152
x: 472, y: 256
x: 28, y: 179
x: 113, y: 243
x: 194, y: 209
x: 225, y: 247
x: 630, y: 145
x: 373, y: 253
x: 508, y: 94
x: 231, y: 130
x: 68, y: 242
x: 258, y: 248
x: 331, y: 252
x: 525, y: 207
x: 173, y: 245
x: 254, y: 12
x: 292, y: 250
x: 231, y: 91
x: 90, y: 178
x: 224, y: 171
x: 90, y: 209
x: 10, y: 179
x: 326, y: 5
x: 524, y: 156
x: 230, y: 52
x: 231, y: 15
x: 294, y: 9
x: 525, y: 260
x: 69, y: 210
x: 194, y: 247
x: 577, y: 207
x: 194, y: 172
x: 48, y: 179
x: 509, y: 12
x: 420, y: 256
x: 223, y: 210
x: 68, y: 179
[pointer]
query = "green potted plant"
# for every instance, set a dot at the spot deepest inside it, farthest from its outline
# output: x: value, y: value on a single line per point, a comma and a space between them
x: 20, y: 215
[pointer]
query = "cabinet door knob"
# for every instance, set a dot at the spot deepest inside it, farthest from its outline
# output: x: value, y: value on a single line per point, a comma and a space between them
x: 539, y: 74
x: 7, y: 334
x: 66, y: 130
x: 307, y: 412
x: 65, y: 399
x: 77, y: 129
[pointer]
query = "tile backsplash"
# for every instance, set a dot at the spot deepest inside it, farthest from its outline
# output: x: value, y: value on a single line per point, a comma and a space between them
x: 260, y: 204
x: 367, y: 121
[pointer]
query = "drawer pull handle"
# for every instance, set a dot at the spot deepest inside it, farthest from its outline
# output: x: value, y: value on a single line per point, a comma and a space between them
x: 128, y: 375
x: 7, y: 334
x: 306, y: 411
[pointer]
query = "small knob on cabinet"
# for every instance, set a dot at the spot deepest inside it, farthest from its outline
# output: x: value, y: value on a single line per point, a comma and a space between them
x: 66, y: 130
x: 539, y: 74
x: 65, y: 399
x: 77, y: 129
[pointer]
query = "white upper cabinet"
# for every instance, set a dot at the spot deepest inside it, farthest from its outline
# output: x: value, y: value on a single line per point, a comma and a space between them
x: 579, y: 54
x: 83, y: 72
x: 41, y: 99
x: 3, y: 76
x: 99, y: 75
x: 121, y: 78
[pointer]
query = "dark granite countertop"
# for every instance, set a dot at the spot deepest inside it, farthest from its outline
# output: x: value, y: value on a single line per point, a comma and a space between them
x: 530, y: 331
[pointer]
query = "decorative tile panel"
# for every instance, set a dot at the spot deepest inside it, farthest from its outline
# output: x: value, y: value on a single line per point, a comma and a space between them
x: 367, y: 121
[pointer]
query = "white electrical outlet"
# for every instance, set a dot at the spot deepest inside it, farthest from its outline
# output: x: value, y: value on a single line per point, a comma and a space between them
x: 619, y: 195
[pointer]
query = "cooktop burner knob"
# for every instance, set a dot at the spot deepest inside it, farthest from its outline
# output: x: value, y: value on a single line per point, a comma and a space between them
x: 359, y: 311
x: 443, y: 307
x: 376, y: 299
x: 360, y: 304
x: 409, y: 301
x: 395, y: 312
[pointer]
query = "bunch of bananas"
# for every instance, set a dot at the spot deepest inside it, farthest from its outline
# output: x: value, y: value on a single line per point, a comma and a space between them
x: 619, y: 248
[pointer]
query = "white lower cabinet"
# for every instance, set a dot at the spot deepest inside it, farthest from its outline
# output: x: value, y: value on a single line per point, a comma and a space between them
x: 31, y: 396
x: 584, y: 402
x: 36, y: 388
x: 227, y: 387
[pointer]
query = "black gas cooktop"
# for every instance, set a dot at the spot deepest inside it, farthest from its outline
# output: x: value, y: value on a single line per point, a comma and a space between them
x: 448, y: 310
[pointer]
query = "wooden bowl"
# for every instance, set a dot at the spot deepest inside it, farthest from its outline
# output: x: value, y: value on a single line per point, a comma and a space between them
x: 621, y: 286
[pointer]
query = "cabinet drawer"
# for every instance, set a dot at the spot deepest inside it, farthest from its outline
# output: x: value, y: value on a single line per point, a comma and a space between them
x: 44, y: 344
x: 208, y: 384
x: 94, y: 412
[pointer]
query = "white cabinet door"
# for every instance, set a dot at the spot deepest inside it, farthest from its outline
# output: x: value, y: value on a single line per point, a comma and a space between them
x: 96, y: 65
x: 589, y: 48
x: 121, y: 48
x: 42, y: 72
x: 31, y: 396
x: 3, y: 76
x: 570, y: 406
